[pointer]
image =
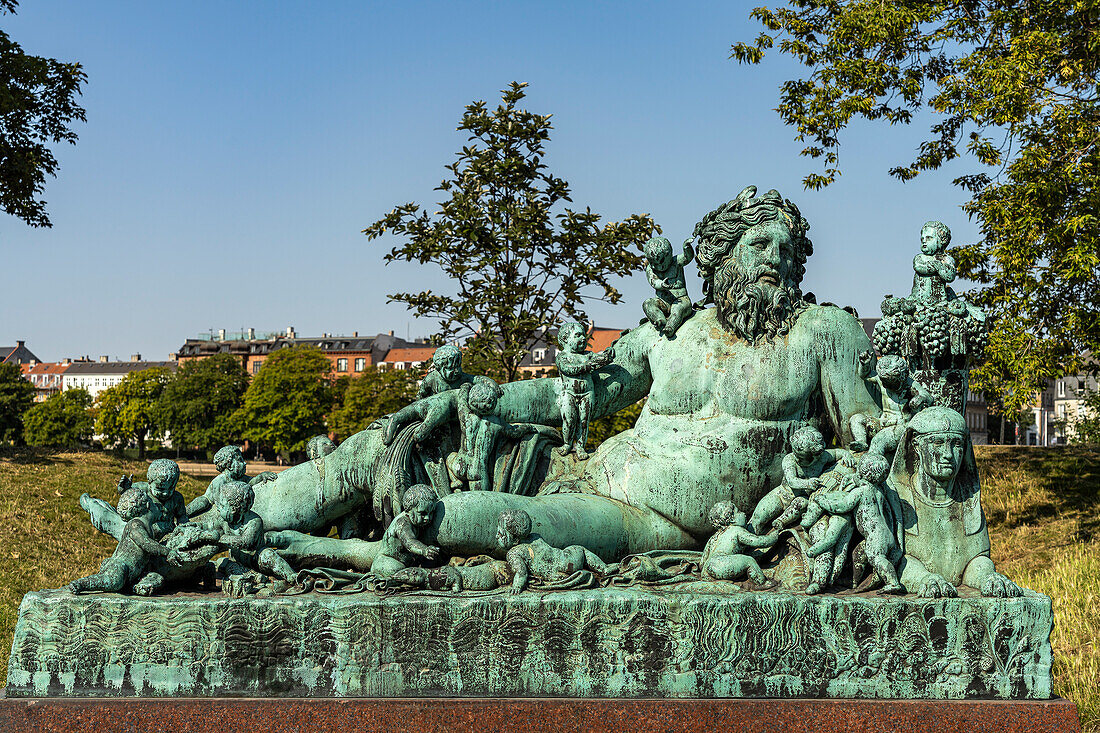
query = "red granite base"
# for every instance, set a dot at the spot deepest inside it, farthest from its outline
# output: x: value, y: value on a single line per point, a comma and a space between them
x: 439, y: 715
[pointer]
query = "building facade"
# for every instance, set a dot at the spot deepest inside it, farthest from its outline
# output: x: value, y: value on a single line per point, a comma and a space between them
x: 46, y: 377
x: 96, y: 376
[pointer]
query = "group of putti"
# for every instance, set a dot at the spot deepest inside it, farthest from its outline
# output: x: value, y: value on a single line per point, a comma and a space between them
x: 159, y: 544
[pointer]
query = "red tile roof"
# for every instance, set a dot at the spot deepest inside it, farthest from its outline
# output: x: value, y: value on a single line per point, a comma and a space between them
x: 601, y: 338
x: 412, y: 354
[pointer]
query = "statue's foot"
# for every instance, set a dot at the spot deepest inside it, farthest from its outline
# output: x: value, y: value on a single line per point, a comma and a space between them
x: 998, y: 586
x: 79, y: 585
x: 813, y: 588
x: 582, y: 455
x: 894, y: 589
x: 564, y: 450
x: 934, y: 586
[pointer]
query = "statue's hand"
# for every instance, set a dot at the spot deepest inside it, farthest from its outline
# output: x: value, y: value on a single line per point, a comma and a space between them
x: 175, y: 559
x: 848, y: 460
x: 934, y: 586
x: 125, y: 483
x: 266, y: 476
x: 514, y: 591
x: 998, y: 586
x: 432, y: 553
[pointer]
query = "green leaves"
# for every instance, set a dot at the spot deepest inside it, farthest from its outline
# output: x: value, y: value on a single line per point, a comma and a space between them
x: 64, y: 420
x: 128, y: 410
x: 198, y: 403
x: 16, y: 395
x: 370, y: 395
x: 286, y: 402
x: 1013, y: 87
x: 517, y: 257
x: 37, y: 107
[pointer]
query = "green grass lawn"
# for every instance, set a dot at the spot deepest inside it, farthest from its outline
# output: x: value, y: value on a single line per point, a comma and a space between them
x: 1043, y: 507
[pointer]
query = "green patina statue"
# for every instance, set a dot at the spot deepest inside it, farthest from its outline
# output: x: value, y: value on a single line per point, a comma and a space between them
x: 576, y: 366
x: 770, y: 462
x: 665, y: 272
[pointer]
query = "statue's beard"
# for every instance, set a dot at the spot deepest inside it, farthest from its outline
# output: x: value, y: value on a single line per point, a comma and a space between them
x: 753, y: 310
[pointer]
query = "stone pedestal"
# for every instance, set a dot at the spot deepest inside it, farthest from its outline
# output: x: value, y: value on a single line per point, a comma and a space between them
x: 229, y: 715
x: 606, y: 643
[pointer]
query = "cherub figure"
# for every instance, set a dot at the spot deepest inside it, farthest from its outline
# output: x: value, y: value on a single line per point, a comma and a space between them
x: 861, y: 501
x: 668, y: 310
x: 576, y: 364
x: 802, y: 470
x: 480, y: 429
x: 529, y: 555
x: 230, y: 461
x: 167, y: 508
x: 933, y: 268
x: 234, y: 527
x: 318, y: 447
x: 901, y: 399
x: 400, y: 545
x: 446, y: 372
x: 135, y: 553
x: 726, y: 555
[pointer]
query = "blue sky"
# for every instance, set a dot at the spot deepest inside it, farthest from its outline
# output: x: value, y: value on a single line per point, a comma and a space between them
x: 234, y: 151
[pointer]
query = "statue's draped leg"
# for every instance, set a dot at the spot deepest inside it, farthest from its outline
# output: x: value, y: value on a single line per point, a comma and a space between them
x: 466, y: 523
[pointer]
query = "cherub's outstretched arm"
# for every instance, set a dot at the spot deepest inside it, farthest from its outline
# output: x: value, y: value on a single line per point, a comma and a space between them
x: 839, y: 502
x: 141, y: 537
x: 518, y: 563
x: 412, y: 544
x: 433, y: 411
x: 748, y: 539
x: 687, y: 256
x: 793, y: 480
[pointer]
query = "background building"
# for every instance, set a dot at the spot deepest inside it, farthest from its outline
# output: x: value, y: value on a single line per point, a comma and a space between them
x: 96, y: 376
x: 18, y: 354
x: 46, y: 377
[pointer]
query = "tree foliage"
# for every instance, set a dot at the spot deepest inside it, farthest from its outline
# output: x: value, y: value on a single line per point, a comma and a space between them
x: 64, y: 420
x: 128, y: 411
x: 517, y: 256
x: 198, y: 403
x: 1013, y: 86
x: 37, y: 107
x: 16, y: 395
x: 1086, y: 428
x: 371, y: 395
x: 286, y: 402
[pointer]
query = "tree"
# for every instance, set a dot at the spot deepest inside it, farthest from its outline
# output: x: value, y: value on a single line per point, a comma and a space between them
x: 62, y: 421
x: 16, y: 395
x: 1013, y: 86
x: 198, y: 403
x: 371, y: 395
x: 128, y: 410
x: 37, y: 106
x: 1086, y: 427
x: 517, y: 257
x: 286, y: 402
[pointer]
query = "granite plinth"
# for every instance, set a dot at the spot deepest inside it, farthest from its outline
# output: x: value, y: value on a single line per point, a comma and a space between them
x: 290, y: 715
x: 606, y: 643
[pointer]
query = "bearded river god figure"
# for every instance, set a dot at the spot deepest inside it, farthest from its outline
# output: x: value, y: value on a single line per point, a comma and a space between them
x: 615, y: 595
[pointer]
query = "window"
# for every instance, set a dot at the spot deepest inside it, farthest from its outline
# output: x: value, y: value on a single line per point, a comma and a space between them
x: 256, y: 366
x: 341, y: 365
x: 1061, y: 388
x: 539, y: 355
x: 360, y: 364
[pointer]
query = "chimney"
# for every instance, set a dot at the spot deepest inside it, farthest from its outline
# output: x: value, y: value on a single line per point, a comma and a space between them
x: 290, y: 332
x: 174, y: 356
x: 251, y: 334
x: 391, y: 332
x: 104, y: 359
x: 135, y: 357
x: 221, y: 334
x: 32, y: 362
x: 355, y: 334
x: 66, y: 361
x: 19, y: 344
